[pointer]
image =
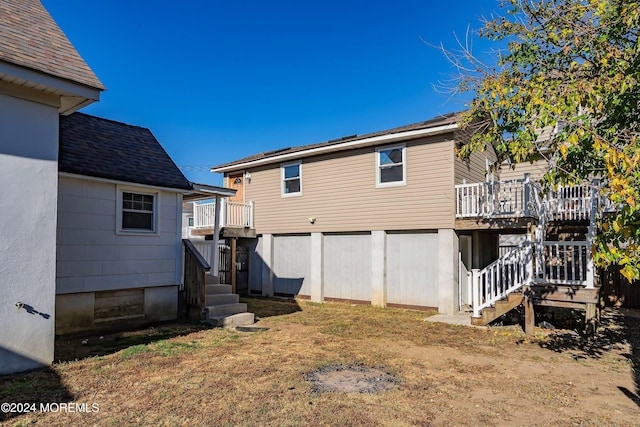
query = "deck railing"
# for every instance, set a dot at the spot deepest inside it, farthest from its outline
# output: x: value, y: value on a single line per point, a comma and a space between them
x: 523, y: 198
x: 550, y: 262
x: 195, y: 269
x: 232, y: 214
x: 502, y: 277
x: 562, y: 263
x: 495, y: 199
x: 571, y: 203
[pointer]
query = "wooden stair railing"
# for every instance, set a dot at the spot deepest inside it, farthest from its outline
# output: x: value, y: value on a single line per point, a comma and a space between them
x: 195, y: 270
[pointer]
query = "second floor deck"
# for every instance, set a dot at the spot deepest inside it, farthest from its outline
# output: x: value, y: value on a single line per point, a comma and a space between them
x: 524, y: 199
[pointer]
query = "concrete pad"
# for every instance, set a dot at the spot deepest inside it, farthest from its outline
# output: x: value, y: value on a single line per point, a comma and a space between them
x: 463, y: 319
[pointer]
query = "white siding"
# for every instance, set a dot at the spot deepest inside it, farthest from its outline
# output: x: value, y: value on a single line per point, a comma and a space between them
x: 347, y: 266
x: 291, y: 264
x: 412, y: 269
x: 29, y: 176
x: 92, y: 257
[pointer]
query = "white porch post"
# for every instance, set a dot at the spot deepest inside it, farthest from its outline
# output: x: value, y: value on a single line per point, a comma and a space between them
x: 475, y: 291
x: 215, y: 261
x: 221, y: 220
x: 527, y: 195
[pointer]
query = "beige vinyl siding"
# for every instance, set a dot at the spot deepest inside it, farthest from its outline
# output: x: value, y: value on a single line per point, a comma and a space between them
x: 473, y: 170
x: 537, y: 170
x: 339, y: 191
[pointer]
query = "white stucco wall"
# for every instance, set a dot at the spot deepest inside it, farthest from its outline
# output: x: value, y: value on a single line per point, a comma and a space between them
x: 29, y: 176
x: 93, y: 257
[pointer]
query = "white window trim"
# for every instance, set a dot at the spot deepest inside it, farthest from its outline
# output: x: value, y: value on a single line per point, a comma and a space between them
x: 379, y: 184
x: 120, y: 189
x: 282, y: 187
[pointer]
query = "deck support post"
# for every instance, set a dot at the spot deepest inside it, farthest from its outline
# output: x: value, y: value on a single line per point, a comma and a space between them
x: 529, y: 313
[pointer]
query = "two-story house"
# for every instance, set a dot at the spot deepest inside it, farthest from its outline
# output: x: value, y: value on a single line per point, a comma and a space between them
x: 394, y: 218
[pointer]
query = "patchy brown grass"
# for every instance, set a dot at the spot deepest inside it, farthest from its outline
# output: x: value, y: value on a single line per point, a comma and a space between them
x: 186, y: 374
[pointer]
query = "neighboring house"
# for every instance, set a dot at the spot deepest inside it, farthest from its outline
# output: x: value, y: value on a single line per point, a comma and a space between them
x: 41, y: 77
x: 394, y: 218
x: 91, y: 213
x: 119, y: 248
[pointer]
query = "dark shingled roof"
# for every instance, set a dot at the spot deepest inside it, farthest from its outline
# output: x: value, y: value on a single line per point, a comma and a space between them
x: 29, y: 37
x: 442, y: 120
x: 103, y: 148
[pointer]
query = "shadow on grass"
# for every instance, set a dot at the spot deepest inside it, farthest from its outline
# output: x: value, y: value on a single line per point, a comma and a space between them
x: 618, y: 327
x: 90, y: 344
x: 26, y: 392
x: 263, y: 307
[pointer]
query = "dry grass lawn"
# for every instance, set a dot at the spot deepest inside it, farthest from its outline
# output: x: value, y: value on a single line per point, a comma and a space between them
x: 186, y: 374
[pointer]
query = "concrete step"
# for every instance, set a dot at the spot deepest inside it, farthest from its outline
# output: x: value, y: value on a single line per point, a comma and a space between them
x: 231, y: 321
x: 211, y: 280
x: 226, y: 309
x: 218, y: 289
x: 222, y: 299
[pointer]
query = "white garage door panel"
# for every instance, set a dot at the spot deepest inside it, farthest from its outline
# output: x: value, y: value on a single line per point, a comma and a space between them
x: 291, y: 264
x: 347, y: 266
x: 412, y: 269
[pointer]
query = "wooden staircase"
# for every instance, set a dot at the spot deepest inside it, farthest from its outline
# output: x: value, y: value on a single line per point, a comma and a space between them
x: 222, y: 307
x: 501, y: 307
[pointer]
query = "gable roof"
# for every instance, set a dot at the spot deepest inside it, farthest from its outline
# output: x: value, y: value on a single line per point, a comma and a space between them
x: 29, y: 37
x: 444, y: 123
x: 102, y: 148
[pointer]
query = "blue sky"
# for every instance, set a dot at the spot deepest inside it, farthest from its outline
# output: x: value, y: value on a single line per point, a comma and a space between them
x: 219, y: 80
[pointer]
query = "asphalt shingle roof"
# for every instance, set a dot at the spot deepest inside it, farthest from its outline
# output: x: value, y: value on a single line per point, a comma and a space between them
x: 102, y: 148
x: 442, y: 120
x: 29, y: 37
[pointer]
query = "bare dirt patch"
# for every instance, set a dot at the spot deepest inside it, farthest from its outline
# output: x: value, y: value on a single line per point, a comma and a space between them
x: 351, y: 379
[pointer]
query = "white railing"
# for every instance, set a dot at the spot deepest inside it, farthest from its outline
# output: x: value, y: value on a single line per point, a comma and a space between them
x: 237, y: 214
x: 204, y: 215
x: 558, y: 263
x: 496, y: 198
x: 502, y: 277
x: 232, y: 214
x: 522, y: 198
x: 572, y: 203
x: 563, y: 263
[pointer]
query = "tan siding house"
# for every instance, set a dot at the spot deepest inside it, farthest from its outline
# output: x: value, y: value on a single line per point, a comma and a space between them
x: 366, y: 218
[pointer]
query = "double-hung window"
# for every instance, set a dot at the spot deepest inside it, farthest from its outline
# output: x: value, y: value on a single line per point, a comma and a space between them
x: 291, y: 179
x: 137, y: 211
x: 391, y: 167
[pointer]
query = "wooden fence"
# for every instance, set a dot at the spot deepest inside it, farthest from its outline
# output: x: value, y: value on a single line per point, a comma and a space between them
x: 617, y: 291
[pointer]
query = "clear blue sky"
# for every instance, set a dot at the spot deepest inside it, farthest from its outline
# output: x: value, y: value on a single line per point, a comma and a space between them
x: 219, y: 80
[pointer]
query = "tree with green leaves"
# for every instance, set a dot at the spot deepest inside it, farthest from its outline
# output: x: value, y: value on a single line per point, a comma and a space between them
x: 570, y: 66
